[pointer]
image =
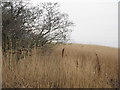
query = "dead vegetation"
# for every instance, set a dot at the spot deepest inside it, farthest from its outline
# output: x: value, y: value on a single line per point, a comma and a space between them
x: 67, y: 66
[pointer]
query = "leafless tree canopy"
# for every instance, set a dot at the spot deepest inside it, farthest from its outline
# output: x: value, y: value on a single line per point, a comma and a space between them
x: 25, y: 25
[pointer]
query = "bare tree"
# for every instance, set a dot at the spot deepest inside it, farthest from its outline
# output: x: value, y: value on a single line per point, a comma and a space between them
x: 13, y: 20
x: 54, y: 25
x: 26, y: 26
x: 17, y: 19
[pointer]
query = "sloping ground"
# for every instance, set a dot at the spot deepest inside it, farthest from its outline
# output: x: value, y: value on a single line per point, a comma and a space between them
x: 66, y: 66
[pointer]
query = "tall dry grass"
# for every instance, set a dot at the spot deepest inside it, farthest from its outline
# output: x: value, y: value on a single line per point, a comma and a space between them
x: 82, y: 66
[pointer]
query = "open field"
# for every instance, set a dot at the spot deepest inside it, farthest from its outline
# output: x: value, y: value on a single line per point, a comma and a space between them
x: 65, y: 66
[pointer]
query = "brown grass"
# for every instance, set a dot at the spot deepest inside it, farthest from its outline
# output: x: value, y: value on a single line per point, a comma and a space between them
x: 82, y: 66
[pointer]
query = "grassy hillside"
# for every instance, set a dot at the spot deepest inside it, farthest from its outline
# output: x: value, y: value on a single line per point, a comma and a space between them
x: 81, y: 66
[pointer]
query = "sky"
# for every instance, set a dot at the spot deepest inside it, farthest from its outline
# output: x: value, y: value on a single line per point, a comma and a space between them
x: 96, y: 21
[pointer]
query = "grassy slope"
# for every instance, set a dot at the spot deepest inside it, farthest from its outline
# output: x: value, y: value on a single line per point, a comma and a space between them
x: 81, y: 66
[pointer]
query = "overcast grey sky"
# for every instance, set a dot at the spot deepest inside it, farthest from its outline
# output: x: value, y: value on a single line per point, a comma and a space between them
x: 96, y: 21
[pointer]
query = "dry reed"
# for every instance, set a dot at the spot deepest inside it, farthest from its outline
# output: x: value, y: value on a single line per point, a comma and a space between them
x: 80, y: 66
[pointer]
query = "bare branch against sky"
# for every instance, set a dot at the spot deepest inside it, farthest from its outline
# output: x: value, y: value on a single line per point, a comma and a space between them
x: 96, y: 20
